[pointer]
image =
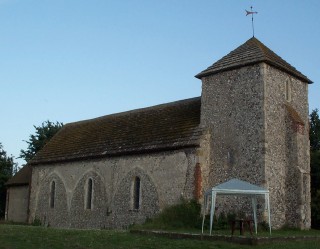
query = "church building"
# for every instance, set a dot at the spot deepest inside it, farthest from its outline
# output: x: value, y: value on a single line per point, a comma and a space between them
x: 250, y: 123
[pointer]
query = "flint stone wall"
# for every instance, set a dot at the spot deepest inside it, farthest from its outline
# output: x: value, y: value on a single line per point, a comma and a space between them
x: 287, y: 163
x: 166, y: 177
x: 252, y: 139
x: 232, y: 105
x: 232, y: 109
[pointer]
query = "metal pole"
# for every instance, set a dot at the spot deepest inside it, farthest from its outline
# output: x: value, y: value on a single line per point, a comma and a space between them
x: 204, y: 211
x: 269, y: 213
x: 252, y: 25
x: 213, y: 205
x: 254, y: 206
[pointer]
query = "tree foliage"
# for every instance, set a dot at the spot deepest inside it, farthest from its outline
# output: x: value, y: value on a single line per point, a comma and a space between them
x: 38, y: 140
x: 6, y: 170
x: 315, y: 167
x: 314, y: 130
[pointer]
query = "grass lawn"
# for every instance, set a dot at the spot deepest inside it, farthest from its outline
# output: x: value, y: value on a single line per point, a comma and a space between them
x: 18, y: 236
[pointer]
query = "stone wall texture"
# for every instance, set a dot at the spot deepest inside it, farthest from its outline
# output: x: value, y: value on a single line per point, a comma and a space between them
x: 232, y: 106
x: 165, y: 177
x: 253, y: 139
x: 287, y: 163
x: 17, y: 203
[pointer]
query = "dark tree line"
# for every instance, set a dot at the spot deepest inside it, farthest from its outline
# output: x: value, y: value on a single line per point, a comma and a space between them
x: 7, y: 168
x: 315, y: 168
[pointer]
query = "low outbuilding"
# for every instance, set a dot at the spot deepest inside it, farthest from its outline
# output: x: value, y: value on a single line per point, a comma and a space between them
x: 18, y: 192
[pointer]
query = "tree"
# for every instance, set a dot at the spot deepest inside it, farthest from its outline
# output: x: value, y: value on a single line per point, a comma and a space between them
x: 315, y: 168
x: 38, y: 140
x: 6, y: 170
x: 314, y: 130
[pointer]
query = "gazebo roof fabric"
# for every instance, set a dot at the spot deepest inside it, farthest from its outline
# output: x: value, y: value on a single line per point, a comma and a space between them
x: 236, y: 186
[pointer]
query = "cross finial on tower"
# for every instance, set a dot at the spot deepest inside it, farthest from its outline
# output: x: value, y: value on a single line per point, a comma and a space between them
x: 251, y: 13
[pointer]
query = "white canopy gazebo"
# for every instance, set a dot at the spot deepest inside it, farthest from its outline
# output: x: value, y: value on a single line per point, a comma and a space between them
x: 236, y: 187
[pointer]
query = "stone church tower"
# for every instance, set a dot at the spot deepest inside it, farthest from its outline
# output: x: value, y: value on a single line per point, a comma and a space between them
x: 254, y: 105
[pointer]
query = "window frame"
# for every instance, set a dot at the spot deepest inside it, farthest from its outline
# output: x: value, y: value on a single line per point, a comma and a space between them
x: 52, y: 194
x: 288, y: 90
x: 136, y: 193
x: 89, y: 194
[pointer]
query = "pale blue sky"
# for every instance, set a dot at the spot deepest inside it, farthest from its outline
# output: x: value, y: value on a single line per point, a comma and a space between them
x: 69, y: 60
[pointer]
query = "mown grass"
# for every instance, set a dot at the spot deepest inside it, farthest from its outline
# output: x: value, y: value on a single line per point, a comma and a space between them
x: 186, y: 217
x: 18, y: 236
x: 183, y: 217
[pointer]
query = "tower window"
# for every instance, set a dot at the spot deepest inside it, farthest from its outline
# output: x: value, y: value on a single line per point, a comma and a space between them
x: 288, y: 90
x: 89, y: 194
x: 52, y: 193
x: 136, y: 193
x: 306, y: 87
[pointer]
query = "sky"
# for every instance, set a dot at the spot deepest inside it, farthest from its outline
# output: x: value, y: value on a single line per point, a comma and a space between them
x: 71, y: 60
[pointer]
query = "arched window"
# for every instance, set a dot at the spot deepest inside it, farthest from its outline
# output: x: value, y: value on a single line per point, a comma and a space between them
x: 136, y: 193
x: 52, y: 193
x: 89, y: 194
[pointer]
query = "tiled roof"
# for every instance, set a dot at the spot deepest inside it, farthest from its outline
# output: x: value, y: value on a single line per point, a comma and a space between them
x: 251, y: 52
x: 168, y: 126
x: 22, y: 177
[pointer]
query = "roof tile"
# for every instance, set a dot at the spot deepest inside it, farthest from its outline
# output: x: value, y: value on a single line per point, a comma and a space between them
x: 167, y: 126
x: 251, y: 52
x: 22, y: 177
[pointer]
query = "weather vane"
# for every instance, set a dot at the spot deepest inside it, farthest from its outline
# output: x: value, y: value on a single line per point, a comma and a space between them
x: 251, y: 13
